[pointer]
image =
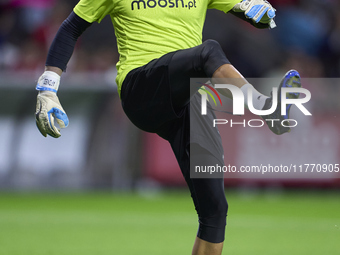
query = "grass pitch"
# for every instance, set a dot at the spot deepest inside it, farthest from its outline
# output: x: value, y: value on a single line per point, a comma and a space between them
x: 260, y: 223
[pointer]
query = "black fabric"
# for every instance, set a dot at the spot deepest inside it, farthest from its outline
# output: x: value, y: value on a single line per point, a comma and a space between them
x: 198, y: 62
x: 146, y: 97
x: 148, y: 94
x: 209, y: 199
x: 65, y: 40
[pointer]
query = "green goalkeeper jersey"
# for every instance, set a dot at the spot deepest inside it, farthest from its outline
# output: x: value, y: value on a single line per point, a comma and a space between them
x: 148, y: 29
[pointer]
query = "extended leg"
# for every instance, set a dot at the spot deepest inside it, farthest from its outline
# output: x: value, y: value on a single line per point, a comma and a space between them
x: 210, y: 203
x: 208, y: 60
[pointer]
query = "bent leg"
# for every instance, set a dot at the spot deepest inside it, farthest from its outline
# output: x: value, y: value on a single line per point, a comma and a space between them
x: 206, y: 60
x: 208, y: 193
x: 197, y: 62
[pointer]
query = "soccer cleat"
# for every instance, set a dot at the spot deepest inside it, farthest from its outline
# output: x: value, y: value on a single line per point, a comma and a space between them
x: 292, y: 80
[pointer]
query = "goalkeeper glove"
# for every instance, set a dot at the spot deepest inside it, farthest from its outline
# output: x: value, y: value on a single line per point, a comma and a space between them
x: 48, y: 105
x: 259, y: 11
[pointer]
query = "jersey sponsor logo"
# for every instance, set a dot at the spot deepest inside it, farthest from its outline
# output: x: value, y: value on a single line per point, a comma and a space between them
x: 143, y: 4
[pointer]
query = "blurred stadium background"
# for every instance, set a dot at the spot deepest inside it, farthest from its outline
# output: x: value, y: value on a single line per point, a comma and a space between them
x: 117, y: 185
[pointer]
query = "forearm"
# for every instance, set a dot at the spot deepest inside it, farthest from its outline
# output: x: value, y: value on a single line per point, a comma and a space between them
x: 64, y: 42
x: 49, y: 109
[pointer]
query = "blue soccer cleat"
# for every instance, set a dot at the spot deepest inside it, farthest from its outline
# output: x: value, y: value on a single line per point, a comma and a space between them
x: 292, y: 80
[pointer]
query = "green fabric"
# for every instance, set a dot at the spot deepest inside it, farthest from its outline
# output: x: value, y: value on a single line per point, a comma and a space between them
x: 148, y: 29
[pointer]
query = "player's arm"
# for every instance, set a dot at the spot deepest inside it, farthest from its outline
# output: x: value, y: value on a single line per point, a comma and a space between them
x: 48, y: 106
x: 259, y: 13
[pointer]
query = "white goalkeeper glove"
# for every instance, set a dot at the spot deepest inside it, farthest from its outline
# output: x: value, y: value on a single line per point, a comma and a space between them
x: 48, y: 105
x: 259, y: 11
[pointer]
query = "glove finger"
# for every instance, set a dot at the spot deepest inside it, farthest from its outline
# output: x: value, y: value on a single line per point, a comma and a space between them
x: 256, y: 12
x: 268, y: 17
x: 46, y: 126
x: 237, y: 8
x: 241, y: 7
x: 40, y: 128
x: 61, y: 117
x: 52, y: 130
x: 271, y: 13
x: 244, y: 5
x: 38, y: 119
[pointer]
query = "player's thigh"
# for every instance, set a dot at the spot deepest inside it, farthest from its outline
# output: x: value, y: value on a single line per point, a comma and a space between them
x: 197, y: 62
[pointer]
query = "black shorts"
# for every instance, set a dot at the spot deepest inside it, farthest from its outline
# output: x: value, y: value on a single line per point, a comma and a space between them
x: 149, y: 107
x: 146, y: 96
x: 147, y: 100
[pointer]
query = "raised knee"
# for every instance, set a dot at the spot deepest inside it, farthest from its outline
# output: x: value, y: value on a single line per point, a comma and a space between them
x: 210, y: 46
x: 210, y: 43
x: 212, y: 57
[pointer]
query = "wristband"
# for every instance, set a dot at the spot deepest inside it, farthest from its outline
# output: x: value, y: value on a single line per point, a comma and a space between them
x: 48, y: 81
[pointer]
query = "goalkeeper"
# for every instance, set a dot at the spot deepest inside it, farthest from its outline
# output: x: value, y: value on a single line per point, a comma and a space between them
x: 160, y: 47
